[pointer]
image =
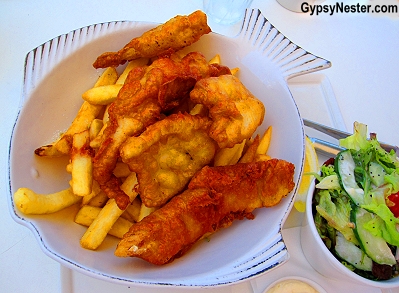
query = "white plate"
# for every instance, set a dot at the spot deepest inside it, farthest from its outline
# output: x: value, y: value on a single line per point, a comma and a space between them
x: 56, y: 75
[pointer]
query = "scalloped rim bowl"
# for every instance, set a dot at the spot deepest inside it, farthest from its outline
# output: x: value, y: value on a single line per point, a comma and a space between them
x: 59, y: 71
x: 321, y: 259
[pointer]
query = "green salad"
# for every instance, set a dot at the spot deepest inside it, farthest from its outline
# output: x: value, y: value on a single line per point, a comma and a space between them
x: 356, y: 206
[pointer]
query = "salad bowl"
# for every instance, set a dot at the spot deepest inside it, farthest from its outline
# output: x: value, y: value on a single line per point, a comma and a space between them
x: 56, y: 75
x: 358, y: 204
x: 323, y: 261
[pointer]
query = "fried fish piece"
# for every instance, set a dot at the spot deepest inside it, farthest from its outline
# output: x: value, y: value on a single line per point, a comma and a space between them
x: 235, y: 111
x: 167, y: 155
x: 215, y: 197
x: 175, y: 34
x: 262, y: 183
x: 147, y: 92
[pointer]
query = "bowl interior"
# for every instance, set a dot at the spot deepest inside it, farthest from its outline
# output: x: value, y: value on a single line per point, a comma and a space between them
x: 50, y: 106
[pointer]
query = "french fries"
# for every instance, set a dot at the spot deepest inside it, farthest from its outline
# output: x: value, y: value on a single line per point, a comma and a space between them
x: 215, y: 59
x: 99, y: 200
x: 102, y: 95
x: 87, y: 214
x: 229, y: 156
x: 95, y: 142
x: 106, y: 93
x: 144, y: 212
x: 62, y: 147
x: 32, y: 203
x: 82, y: 166
x: 265, y: 141
x: 131, y: 65
x: 86, y: 114
x: 95, y: 128
x: 107, y: 217
x: 250, y: 153
x: 132, y: 212
x: 95, y: 191
x: 109, y: 76
x: 101, y: 225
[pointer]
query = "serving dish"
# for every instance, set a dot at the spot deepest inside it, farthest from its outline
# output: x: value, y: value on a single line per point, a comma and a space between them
x: 59, y: 71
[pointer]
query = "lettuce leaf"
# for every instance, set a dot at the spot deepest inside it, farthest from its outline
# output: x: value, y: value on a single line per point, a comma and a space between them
x: 383, y: 224
x: 358, y: 140
x: 337, y: 214
x: 393, y: 180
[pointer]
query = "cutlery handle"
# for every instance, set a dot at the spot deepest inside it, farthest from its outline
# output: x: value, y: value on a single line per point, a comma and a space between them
x: 324, y: 147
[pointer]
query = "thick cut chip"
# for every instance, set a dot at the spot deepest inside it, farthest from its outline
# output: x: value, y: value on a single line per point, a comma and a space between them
x: 167, y: 155
x: 87, y: 215
x: 32, y: 203
x: 107, y: 217
x: 250, y: 153
x: 229, y: 156
x: 235, y: 112
x: 265, y: 141
x: 81, y: 161
x: 102, y: 95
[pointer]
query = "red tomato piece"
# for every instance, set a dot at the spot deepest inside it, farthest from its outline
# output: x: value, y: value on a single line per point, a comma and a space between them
x: 394, y: 198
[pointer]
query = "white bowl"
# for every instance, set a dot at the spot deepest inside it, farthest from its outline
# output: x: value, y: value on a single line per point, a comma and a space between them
x: 56, y: 75
x: 323, y: 261
x: 311, y: 283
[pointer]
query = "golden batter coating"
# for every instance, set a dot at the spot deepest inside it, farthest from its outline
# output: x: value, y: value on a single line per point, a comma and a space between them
x: 235, y: 111
x: 147, y: 92
x: 167, y: 155
x: 173, y: 35
x: 215, y: 197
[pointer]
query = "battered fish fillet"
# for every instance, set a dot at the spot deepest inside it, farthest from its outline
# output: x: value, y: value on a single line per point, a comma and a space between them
x: 235, y: 111
x: 215, y: 197
x: 167, y: 155
x: 148, y: 91
x: 175, y: 34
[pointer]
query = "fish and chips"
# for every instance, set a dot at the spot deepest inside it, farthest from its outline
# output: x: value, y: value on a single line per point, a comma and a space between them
x: 163, y: 153
x: 148, y: 92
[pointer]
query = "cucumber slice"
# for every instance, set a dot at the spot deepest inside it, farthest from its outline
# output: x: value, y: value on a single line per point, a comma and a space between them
x: 352, y: 254
x: 377, y: 173
x: 375, y: 247
x: 345, y: 168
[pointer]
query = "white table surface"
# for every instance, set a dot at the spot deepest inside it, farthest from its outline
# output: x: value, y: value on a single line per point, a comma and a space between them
x: 364, y: 51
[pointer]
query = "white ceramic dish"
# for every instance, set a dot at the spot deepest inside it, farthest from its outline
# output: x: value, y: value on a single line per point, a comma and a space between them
x: 311, y: 283
x: 56, y: 75
x: 323, y: 261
